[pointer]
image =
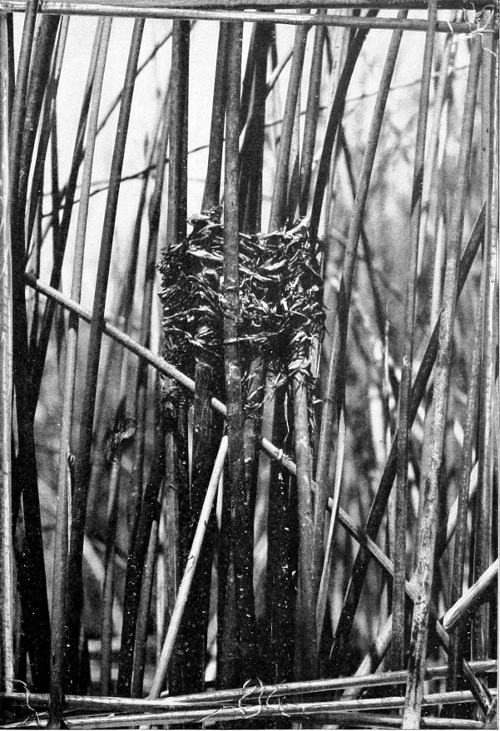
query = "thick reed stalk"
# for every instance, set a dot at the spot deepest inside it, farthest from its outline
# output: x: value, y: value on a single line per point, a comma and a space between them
x: 457, y: 638
x: 280, y: 189
x: 311, y: 119
x: 31, y: 568
x: 193, y: 638
x: 45, y: 130
x: 6, y: 382
x: 306, y: 637
x: 141, y: 635
x: 239, y: 658
x: 324, y: 585
x: 82, y: 465
x: 211, y: 193
x: 398, y: 594
x: 334, y: 388
x: 489, y: 356
x: 65, y: 453
x: 108, y: 593
x: 177, y: 171
x: 252, y: 148
x: 39, y: 86
x: 427, y: 534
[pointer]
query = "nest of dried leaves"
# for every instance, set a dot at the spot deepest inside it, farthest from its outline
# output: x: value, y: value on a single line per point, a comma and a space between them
x: 281, y: 312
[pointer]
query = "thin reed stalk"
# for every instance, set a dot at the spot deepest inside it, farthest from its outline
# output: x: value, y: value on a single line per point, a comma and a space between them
x: 6, y: 382
x: 427, y: 535
x: 82, y: 464
x: 129, y: 9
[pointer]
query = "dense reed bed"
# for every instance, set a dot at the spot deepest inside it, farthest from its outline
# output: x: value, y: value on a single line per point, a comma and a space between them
x: 249, y: 364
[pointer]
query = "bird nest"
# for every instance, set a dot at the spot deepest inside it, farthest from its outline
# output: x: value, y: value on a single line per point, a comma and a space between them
x: 280, y: 293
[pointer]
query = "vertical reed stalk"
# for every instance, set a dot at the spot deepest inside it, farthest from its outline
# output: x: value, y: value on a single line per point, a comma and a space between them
x: 82, y: 465
x: 45, y: 131
x: 280, y: 189
x: 457, y: 639
x: 306, y: 649
x: 311, y: 119
x: 37, y: 88
x: 141, y: 636
x: 211, y: 193
x: 428, y: 527
x: 252, y: 149
x: 65, y: 453
x: 398, y: 594
x: 6, y: 382
x: 108, y: 593
x: 483, y: 524
x: 241, y: 525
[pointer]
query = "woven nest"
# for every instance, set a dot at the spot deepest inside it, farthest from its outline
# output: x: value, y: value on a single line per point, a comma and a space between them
x: 280, y: 297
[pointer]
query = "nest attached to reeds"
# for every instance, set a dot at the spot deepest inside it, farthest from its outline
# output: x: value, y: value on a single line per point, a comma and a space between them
x: 281, y: 310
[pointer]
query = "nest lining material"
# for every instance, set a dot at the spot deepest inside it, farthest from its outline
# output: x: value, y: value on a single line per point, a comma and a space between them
x: 281, y: 309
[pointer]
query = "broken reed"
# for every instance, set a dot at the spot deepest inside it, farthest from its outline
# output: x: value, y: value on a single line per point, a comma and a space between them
x: 244, y: 107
